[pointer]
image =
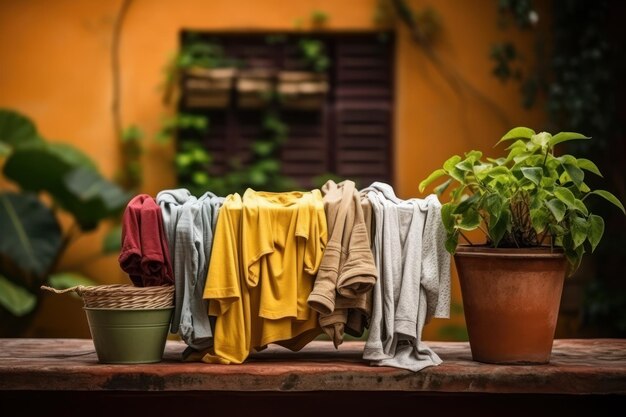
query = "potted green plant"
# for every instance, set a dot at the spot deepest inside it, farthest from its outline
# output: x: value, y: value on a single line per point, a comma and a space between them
x: 532, y: 207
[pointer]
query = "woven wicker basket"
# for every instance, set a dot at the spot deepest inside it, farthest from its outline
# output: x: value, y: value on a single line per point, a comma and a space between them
x: 122, y: 296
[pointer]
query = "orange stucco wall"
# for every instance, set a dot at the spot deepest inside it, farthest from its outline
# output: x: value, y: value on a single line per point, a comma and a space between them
x: 56, y: 68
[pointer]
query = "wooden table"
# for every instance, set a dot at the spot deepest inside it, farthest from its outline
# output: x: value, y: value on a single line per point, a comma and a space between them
x: 584, y: 377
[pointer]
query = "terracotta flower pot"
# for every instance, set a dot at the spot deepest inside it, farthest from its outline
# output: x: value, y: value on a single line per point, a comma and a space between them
x: 511, y: 300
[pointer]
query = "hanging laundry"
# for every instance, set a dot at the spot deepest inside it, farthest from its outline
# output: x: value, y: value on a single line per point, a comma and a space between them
x: 189, y: 223
x: 342, y: 289
x: 414, y: 278
x: 267, y: 249
x: 144, y: 254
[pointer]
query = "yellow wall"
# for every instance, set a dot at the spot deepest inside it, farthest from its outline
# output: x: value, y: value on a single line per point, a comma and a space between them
x: 56, y: 68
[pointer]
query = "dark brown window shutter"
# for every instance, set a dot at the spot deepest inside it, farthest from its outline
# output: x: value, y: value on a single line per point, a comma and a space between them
x: 350, y: 135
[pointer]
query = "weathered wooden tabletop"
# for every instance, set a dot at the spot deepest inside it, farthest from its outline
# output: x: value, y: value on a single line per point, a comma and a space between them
x: 594, y: 366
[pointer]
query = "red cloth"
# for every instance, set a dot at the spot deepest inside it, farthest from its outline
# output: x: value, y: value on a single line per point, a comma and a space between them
x: 145, y: 254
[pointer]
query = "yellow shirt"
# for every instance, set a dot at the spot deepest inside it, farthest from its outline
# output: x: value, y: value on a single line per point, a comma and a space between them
x: 266, y: 251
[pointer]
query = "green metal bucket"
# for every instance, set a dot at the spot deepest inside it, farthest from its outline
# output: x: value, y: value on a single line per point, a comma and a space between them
x: 129, y: 335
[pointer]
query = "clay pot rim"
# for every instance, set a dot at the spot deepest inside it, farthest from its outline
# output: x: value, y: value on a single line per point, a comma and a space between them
x: 543, y: 252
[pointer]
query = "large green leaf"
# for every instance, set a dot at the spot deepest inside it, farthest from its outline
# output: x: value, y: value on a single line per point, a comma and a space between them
x: 17, y: 300
x: 566, y: 136
x: 596, y: 230
x: 92, y: 198
x: 16, y: 130
x: 31, y: 235
x: 70, y: 177
x: 609, y: 197
x: 42, y: 166
x: 517, y: 133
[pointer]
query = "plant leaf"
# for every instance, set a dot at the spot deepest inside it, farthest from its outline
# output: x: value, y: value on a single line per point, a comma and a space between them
x: 539, y: 219
x: 451, y: 242
x: 499, y: 228
x: 464, y: 205
x: 566, y: 136
x: 588, y: 166
x: 465, y: 165
x: 447, y: 217
x: 578, y: 227
x: 534, y: 174
x: 557, y: 208
x: 16, y: 130
x: 17, y: 300
x: 432, y: 177
x: 441, y: 188
x: 576, y: 174
x: 91, y: 198
x: 596, y: 230
x: 570, y: 200
x: 517, y: 133
x: 610, y: 197
x: 31, y: 235
x: 470, y: 220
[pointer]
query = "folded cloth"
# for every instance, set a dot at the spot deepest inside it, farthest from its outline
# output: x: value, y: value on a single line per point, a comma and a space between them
x: 145, y: 254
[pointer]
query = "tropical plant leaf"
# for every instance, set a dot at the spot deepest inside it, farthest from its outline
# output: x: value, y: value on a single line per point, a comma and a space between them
x: 557, y: 208
x: 517, y: 133
x: 447, y: 217
x: 539, y: 218
x: 596, y: 230
x: 432, y: 177
x: 570, y: 200
x: 451, y: 162
x: 498, y: 229
x: 609, y: 197
x: 42, y: 167
x: 470, y: 220
x: 579, y: 228
x: 566, y: 136
x: 16, y: 130
x: 31, y: 235
x: 452, y: 242
x: 441, y: 188
x: 534, y: 174
x: 576, y: 174
x: 15, y: 299
x: 91, y: 198
x: 465, y: 205
x: 587, y: 165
